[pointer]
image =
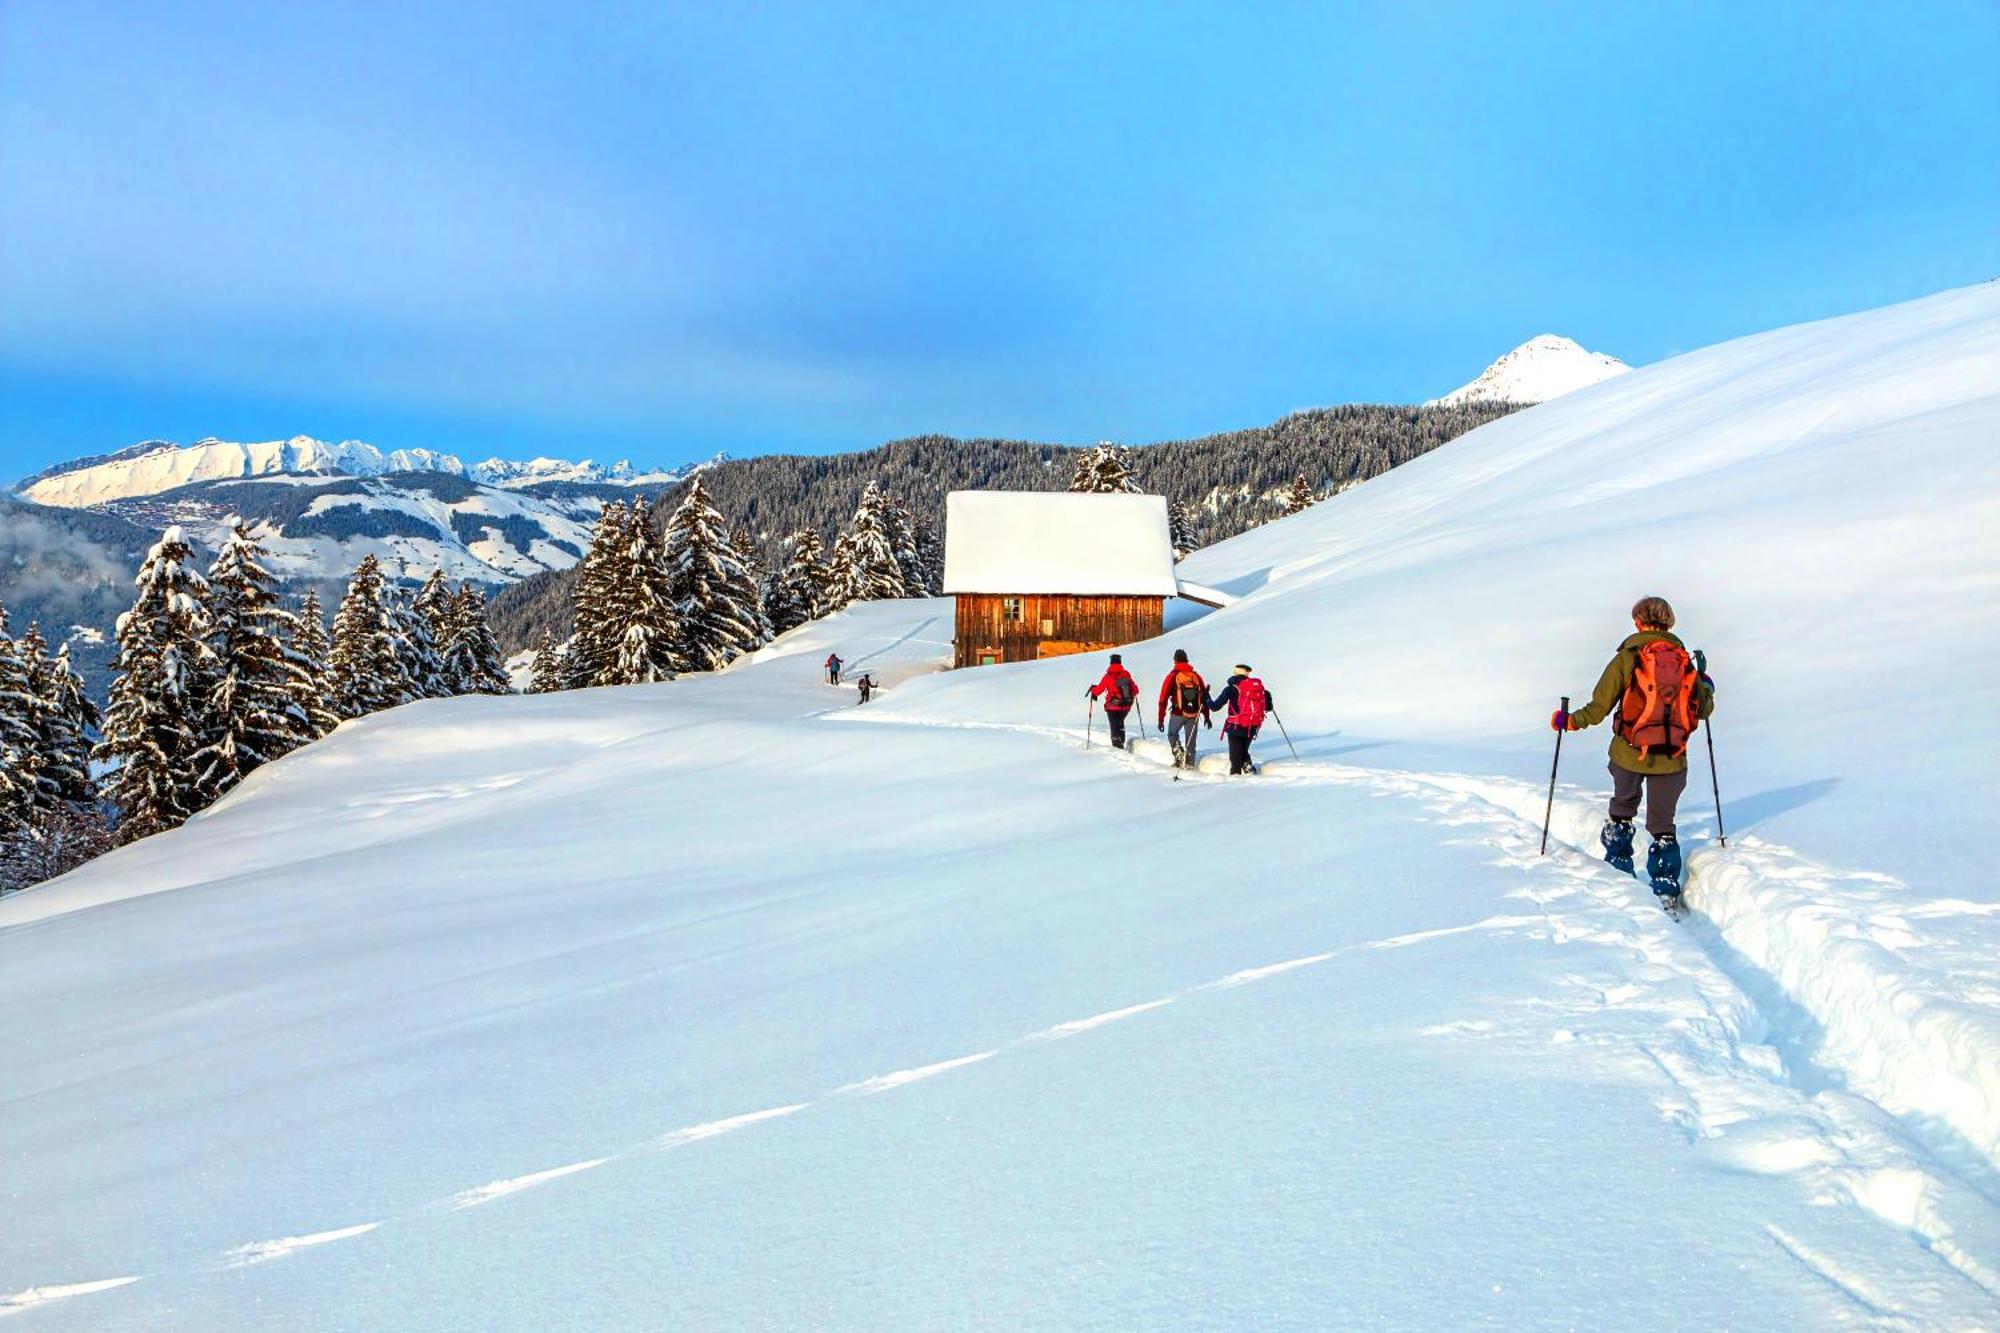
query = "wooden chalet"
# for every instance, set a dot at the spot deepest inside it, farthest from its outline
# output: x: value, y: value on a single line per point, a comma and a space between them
x: 1042, y: 574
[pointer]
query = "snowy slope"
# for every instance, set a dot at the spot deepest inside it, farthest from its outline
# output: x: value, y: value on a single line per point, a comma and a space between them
x: 726, y: 1003
x: 1541, y: 368
x: 156, y: 466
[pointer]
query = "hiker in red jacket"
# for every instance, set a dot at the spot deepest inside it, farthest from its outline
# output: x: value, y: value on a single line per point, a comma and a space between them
x: 1246, y: 701
x: 1119, y: 692
x: 1185, y: 694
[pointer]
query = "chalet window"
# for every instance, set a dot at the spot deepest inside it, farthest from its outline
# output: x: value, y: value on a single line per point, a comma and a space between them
x: 1048, y: 629
x: 1010, y: 608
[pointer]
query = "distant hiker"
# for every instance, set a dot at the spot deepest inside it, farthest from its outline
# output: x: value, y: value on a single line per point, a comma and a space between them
x: 833, y: 668
x: 1660, y: 698
x: 1119, y: 692
x: 1247, y: 701
x: 1184, y: 694
x: 867, y: 687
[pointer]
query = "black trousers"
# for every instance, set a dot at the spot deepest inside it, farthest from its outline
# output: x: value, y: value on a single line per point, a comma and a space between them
x: 1116, y: 717
x: 1239, y: 750
x: 1663, y: 795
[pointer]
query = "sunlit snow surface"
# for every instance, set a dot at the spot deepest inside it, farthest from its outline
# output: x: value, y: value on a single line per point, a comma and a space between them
x: 726, y: 1003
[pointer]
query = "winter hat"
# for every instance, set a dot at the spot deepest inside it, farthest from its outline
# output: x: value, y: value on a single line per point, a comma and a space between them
x: 1116, y: 659
x: 1180, y: 654
x: 1242, y: 668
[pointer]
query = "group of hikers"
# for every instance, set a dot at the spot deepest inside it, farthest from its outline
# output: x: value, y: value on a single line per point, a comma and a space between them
x: 864, y: 685
x: 1654, y: 692
x: 1185, y: 707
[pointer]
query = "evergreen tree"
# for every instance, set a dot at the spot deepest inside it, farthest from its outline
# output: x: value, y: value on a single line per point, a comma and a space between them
x: 598, y: 630
x: 251, y: 711
x: 1104, y: 469
x: 424, y: 627
x: 153, y: 726
x: 706, y: 585
x: 901, y: 526
x: 473, y: 662
x: 548, y: 674
x: 309, y: 644
x: 792, y: 592
x: 839, y: 590
x: 55, y: 843
x: 747, y: 588
x: 641, y: 622
x: 930, y: 555
x: 20, y: 739
x: 364, y: 672
x: 873, y: 571
x: 1300, y: 498
x: 66, y: 717
x: 1186, y: 534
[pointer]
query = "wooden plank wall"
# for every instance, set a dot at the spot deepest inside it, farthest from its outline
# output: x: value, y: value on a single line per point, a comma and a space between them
x: 1050, y: 625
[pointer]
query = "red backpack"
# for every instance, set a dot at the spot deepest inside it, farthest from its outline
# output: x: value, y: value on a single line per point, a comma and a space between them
x: 1659, y: 711
x: 1248, y: 715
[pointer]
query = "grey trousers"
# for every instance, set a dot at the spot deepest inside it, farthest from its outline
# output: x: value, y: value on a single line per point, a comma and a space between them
x: 1663, y: 793
x: 1182, y: 733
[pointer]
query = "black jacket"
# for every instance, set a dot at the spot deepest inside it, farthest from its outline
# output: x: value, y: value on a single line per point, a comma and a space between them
x: 1226, y: 700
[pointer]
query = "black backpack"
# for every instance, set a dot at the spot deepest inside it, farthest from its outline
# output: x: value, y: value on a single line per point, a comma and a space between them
x: 1187, y: 693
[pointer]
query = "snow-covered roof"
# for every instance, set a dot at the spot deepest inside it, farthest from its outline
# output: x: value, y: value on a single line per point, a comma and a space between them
x: 1057, y: 542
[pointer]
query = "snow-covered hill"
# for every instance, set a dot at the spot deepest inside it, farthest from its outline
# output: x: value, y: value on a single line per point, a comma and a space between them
x: 727, y: 1003
x: 1539, y: 369
x: 156, y: 466
x: 318, y: 527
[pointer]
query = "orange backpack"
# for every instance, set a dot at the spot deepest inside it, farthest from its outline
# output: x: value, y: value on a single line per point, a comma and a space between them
x: 1660, y: 711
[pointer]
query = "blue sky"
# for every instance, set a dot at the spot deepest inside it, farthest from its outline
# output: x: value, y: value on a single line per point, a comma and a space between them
x: 658, y: 230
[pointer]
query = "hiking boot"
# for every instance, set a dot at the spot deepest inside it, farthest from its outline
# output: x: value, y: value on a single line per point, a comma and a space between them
x: 1663, y: 865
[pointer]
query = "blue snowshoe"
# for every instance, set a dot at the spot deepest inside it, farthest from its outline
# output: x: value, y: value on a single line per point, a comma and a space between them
x: 1663, y: 868
x: 1617, y: 840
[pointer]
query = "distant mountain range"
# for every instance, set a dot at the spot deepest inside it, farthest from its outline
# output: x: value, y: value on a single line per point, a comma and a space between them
x: 155, y: 466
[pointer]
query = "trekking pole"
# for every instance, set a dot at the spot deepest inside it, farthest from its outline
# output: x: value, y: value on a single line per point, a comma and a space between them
x: 1089, y: 718
x: 1549, y: 810
x: 1286, y: 734
x: 1714, y: 784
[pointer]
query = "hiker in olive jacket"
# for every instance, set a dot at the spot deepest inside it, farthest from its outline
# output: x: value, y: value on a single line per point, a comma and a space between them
x: 1655, y: 699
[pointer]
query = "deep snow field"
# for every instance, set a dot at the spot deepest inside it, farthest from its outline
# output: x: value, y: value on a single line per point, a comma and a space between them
x: 726, y: 1003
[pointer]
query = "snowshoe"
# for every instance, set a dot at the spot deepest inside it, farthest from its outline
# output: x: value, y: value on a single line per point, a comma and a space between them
x: 1663, y: 866
x: 1617, y: 839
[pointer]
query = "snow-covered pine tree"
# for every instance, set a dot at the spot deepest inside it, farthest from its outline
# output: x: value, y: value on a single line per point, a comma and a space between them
x: 309, y: 643
x: 705, y: 584
x: 20, y: 739
x: 424, y: 626
x: 56, y: 843
x: 1300, y: 498
x: 641, y: 624
x: 1104, y: 469
x: 64, y: 719
x: 598, y: 625
x: 153, y: 726
x: 364, y: 673
x: 748, y: 587
x: 873, y: 572
x: 1186, y: 533
x: 839, y: 589
x: 901, y: 526
x: 791, y: 589
x: 250, y: 711
x: 930, y: 555
x: 546, y: 675
x: 473, y: 662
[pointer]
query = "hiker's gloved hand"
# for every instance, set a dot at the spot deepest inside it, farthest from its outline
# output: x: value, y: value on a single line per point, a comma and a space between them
x: 1208, y: 722
x: 1561, y: 721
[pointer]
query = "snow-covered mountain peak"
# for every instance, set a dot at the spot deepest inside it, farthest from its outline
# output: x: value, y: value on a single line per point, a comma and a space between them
x: 1544, y: 367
